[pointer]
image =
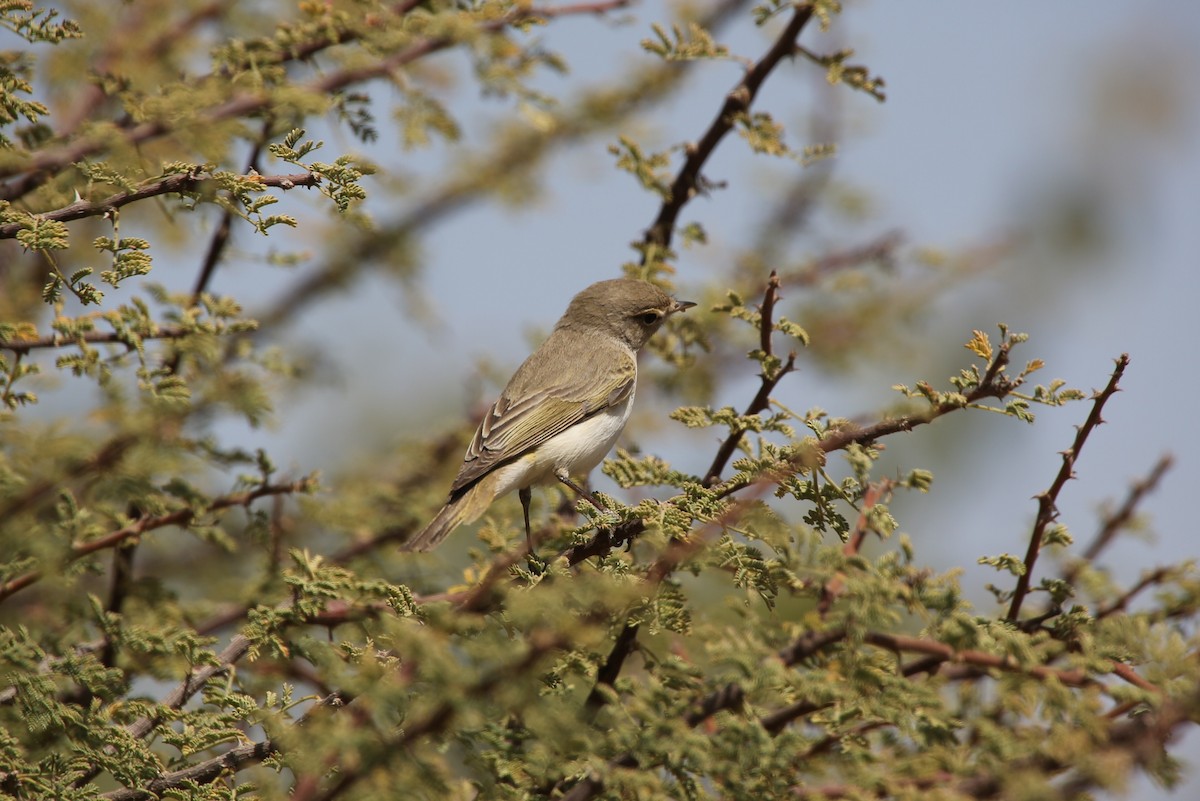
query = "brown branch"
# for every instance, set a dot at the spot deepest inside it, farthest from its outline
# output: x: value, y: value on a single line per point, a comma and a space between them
x: 179, y: 517
x: 1121, y: 603
x: 122, y: 579
x: 624, y: 645
x: 206, y: 772
x: 171, y: 184
x: 937, y: 654
x: 992, y: 385
x: 770, y: 379
x: 57, y: 340
x: 220, y: 238
x: 946, y: 653
x: 737, y: 102
x: 40, y: 166
x: 228, y: 763
x: 1048, y: 500
x: 1130, y: 675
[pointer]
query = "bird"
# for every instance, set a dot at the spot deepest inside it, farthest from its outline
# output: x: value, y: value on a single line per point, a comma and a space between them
x: 564, y: 407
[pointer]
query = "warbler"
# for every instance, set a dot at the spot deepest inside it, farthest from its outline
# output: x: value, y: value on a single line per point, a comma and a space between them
x: 563, y: 409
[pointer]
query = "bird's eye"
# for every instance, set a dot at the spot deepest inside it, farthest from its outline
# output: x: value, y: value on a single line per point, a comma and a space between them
x: 650, y: 318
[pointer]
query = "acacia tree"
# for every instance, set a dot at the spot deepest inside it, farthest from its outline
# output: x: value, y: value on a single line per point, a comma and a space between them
x: 180, y: 620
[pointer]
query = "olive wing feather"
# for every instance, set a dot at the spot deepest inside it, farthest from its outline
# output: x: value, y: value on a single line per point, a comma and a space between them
x: 527, y: 415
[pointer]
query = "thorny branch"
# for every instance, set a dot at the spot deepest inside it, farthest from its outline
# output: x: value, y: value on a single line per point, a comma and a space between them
x: 1048, y: 500
x: 687, y: 182
x: 624, y: 645
x: 993, y: 384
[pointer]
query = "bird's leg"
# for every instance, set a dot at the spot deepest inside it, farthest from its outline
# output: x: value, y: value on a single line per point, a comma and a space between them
x: 565, y: 477
x: 526, y: 495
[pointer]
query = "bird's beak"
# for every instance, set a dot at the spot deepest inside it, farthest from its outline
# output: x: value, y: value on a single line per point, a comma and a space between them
x: 682, y: 305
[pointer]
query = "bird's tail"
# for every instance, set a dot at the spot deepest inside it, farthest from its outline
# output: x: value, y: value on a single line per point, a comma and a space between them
x: 465, y: 508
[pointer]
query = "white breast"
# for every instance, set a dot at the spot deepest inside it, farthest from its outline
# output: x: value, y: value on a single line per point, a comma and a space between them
x: 578, y: 449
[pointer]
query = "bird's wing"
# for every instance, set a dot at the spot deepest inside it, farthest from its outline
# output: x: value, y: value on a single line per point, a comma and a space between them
x: 525, y: 416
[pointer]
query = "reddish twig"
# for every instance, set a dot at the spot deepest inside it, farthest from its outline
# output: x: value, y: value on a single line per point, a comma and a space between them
x: 1048, y: 500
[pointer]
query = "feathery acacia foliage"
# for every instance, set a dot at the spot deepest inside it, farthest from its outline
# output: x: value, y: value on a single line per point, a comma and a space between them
x: 178, y: 619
